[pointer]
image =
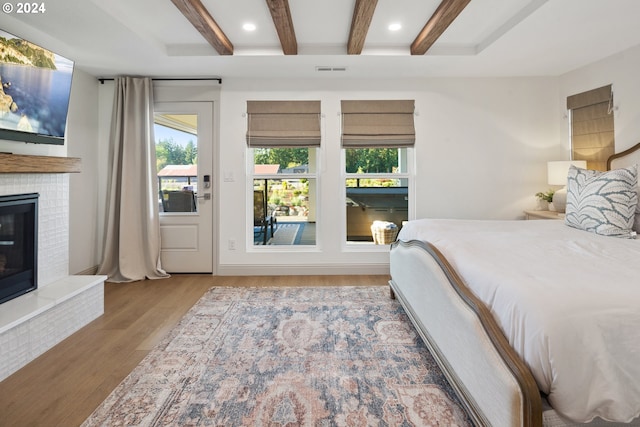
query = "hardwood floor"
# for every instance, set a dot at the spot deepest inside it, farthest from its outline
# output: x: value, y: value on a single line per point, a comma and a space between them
x: 63, y: 386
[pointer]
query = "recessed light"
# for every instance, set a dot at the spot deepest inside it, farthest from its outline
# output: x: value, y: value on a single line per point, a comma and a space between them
x: 395, y: 26
x: 249, y: 27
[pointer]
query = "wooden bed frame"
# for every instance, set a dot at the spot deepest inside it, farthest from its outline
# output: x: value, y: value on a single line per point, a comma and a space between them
x: 494, y: 384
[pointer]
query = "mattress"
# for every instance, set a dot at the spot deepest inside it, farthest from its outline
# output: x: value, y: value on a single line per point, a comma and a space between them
x: 567, y: 300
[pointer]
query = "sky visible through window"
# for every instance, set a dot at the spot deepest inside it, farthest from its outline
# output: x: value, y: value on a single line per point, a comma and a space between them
x: 166, y: 133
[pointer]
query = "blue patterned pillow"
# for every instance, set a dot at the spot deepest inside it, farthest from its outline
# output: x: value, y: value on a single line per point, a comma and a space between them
x: 602, y: 202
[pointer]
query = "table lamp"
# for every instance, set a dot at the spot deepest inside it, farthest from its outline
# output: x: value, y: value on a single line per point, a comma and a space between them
x: 557, y: 172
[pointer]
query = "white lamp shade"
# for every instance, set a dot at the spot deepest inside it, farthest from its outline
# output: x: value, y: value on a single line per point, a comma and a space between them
x: 557, y: 171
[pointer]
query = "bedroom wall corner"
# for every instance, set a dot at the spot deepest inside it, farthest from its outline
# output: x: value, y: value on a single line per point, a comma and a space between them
x: 485, y: 145
x: 620, y: 70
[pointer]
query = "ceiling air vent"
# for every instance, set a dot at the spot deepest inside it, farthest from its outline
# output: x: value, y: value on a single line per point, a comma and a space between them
x: 326, y: 68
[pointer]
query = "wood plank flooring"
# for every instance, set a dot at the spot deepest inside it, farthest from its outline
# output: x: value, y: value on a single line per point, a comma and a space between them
x: 63, y: 386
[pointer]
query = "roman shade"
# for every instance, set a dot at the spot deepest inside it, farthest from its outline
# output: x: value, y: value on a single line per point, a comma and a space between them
x: 383, y: 123
x: 272, y: 124
x: 592, y: 127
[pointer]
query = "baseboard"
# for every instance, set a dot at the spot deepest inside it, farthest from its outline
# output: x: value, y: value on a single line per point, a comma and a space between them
x: 289, y: 270
x: 91, y: 271
x: 298, y: 269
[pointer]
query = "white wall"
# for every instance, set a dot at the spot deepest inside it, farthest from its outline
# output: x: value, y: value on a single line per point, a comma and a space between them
x: 82, y: 142
x: 481, y: 152
x: 484, y: 145
x: 620, y: 70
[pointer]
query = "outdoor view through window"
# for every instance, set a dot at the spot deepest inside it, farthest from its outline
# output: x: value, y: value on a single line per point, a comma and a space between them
x: 285, y: 187
x: 284, y: 196
x: 177, y: 161
x: 377, y: 193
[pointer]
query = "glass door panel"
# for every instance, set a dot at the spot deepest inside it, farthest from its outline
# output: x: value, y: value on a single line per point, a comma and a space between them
x: 177, y: 161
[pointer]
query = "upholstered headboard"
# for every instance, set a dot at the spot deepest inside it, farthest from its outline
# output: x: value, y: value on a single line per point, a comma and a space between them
x: 625, y: 158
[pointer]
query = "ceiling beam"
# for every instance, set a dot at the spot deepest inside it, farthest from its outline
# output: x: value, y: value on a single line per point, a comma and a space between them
x: 281, y: 16
x: 202, y: 20
x: 362, y: 14
x: 445, y: 14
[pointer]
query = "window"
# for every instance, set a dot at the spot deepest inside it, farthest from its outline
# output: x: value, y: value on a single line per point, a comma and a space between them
x: 592, y: 128
x: 177, y: 161
x: 377, y: 137
x: 285, y: 187
x: 377, y: 189
x: 283, y: 139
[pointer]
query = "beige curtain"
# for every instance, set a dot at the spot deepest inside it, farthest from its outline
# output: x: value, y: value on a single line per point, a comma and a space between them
x: 378, y: 124
x: 132, y: 232
x: 272, y: 124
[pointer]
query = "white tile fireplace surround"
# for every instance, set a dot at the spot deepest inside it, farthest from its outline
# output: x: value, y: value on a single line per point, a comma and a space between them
x: 33, y: 323
x: 53, y: 219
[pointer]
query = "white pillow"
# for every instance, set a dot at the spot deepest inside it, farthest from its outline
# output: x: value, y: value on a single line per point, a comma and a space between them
x: 602, y: 202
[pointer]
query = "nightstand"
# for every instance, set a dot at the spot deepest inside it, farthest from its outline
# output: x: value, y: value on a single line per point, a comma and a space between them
x: 543, y: 215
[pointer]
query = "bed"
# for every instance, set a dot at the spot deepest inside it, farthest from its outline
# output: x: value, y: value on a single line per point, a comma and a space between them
x: 513, y: 366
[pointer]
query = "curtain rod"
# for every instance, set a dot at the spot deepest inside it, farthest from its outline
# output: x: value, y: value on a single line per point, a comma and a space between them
x: 218, y: 79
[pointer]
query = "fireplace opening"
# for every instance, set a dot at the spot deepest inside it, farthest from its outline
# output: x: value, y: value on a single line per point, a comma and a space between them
x: 18, y: 245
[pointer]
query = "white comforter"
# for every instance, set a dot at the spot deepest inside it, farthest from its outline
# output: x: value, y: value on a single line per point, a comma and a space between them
x: 567, y: 300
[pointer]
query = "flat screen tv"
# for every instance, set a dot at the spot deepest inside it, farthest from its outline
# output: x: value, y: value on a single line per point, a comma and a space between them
x: 35, y: 85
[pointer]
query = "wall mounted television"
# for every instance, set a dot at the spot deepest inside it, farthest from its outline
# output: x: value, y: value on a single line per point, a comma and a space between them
x: 35, y: 85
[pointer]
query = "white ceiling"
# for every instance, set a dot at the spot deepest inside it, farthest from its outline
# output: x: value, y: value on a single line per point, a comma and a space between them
x: 489, y: 38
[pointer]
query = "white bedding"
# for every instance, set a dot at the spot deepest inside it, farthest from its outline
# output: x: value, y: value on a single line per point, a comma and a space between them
x: 567, y: 300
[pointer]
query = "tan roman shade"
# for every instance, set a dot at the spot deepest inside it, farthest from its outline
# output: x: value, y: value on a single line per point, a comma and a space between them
x: 592, y: 127
x: 273, y: 124
x: 385, y: 123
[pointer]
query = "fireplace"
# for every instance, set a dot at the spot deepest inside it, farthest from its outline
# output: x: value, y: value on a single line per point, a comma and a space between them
x: 18, y: 245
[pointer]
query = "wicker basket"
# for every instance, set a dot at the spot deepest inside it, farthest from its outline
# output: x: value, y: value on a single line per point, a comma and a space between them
x: 383, y: 235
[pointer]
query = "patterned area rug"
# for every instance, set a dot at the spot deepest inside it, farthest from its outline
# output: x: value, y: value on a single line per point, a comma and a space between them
x: 328, y: 356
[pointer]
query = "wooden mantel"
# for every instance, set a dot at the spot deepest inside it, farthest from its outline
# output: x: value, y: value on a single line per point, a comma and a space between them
x: 21, y: 163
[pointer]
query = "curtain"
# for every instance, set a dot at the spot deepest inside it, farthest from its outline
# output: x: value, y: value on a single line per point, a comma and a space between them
x: 592, y: 127
x: 272, y: 124
x: 132, y: 232
x: 378, y: 124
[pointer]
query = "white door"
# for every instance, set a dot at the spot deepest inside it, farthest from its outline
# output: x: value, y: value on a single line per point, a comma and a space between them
x: 184, y: 147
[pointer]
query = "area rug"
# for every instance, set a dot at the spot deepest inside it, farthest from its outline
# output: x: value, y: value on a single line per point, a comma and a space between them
x: 326, y: 356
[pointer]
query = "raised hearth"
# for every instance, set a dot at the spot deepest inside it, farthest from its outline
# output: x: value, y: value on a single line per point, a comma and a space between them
x: 35, y: 322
